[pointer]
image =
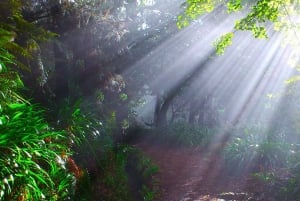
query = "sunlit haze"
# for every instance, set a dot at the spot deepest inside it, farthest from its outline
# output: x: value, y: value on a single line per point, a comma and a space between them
x: 149, y: 100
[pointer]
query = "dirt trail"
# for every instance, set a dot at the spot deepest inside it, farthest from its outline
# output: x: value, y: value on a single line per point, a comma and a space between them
x: 188, y: 174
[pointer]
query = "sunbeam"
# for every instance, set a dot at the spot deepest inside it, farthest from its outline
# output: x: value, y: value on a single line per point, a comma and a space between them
x: 153, y: 100
x: 240, y: 81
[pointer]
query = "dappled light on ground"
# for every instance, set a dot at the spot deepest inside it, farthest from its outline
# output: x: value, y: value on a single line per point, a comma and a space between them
x: 192, y: 174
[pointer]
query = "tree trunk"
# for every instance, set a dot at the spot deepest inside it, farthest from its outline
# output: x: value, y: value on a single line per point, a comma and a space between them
x: 163, y: 104
x: 193, y: 112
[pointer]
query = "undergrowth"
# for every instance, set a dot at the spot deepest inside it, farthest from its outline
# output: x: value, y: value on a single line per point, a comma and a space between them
x: 122, y: 174
x: 33, y: 166
x: 251, y: 149
x: 185, y: 134
x: 270, y: 161
x: 142, y: 170
x: 33, y: 156
x: 104, y: 166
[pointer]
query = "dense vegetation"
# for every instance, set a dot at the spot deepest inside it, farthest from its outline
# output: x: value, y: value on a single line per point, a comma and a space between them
x: 68, y: 99
x: 40, y: 142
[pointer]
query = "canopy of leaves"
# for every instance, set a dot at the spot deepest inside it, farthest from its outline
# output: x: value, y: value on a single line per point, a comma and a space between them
x: 259, y: 15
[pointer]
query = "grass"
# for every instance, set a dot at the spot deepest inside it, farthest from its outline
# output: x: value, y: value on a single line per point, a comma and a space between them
x: 32, y: 163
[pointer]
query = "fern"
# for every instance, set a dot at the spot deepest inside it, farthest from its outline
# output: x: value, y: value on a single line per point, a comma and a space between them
x: 33, y: 156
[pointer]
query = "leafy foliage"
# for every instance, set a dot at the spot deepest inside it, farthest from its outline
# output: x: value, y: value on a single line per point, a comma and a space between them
x: 144, y: 170
x: 185, y: 134
x: 251, y: 151
x: 114, y: 181
x: 33, y: 166
x: 103, y: 165
x: 223, y: 42
x: 234, y: 5
x: 283, y: 184
x: 194, y: 9
x: 10, y: 81
x: 33, y: 155
x: 15, y: 31
x: 115, y: 168
x: 258, y: 18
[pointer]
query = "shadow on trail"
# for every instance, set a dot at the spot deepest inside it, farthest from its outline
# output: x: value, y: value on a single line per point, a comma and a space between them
x: 196, y: 173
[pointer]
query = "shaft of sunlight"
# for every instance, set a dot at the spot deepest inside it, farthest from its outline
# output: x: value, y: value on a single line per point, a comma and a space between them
x: 243, y: 80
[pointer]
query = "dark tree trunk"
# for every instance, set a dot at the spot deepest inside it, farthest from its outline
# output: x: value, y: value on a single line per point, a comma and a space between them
x: 163, y: 104
x: 158, y: 116
x: 161, y: 113
x: 192, y: 116
x: 196, y: 108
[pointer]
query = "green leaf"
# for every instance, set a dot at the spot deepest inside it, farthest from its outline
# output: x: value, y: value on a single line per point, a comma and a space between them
x: 76, y: 112
x: 223, y: 42
x: 17, y: 115
x: 234, y: 5
x: 123, y: 96
x: 16, y: 105
x: 260, y: 32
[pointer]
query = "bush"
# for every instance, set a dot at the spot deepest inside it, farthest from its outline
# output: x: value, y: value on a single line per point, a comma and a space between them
x: 284, y: 183
x: 113, y: 180
x: 252, y: 151
x: 125, y: 174
x: 141, y: 171
x: 104, y: 164
x: 182, y: 133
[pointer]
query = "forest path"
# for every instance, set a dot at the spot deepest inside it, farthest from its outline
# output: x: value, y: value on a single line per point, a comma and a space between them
x: 190, y: 174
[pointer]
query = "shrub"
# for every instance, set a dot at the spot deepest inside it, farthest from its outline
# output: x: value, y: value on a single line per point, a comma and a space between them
x: 103, y: 162
x: 252, y: 151
x: 113, y: 180
x: 182, y: 133
x: 284, y: 183
x: 142, y: 170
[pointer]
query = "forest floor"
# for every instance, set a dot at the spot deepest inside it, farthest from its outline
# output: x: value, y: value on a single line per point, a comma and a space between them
x: 195, y: 174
